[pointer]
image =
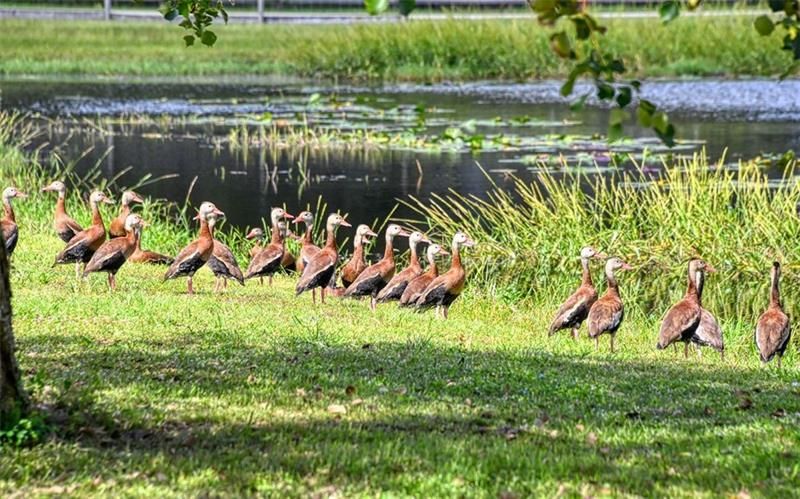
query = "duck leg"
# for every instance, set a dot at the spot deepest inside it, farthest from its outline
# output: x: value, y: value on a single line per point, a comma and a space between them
x: 322, y: 295
x: 686, y: 350
x: 596, y: 343
x: 270, y: 280
x: 575, y: 333
x: 113, y: 282
x: 612, y: 343
x: 372, y: 303
x: 780, y: 358
x: 77, y: 270
x: 261, y: 280
x: 191, y: 287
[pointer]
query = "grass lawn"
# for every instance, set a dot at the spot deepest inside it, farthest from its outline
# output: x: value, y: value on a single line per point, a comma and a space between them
x: 152, y: 392
x: 415, y: 51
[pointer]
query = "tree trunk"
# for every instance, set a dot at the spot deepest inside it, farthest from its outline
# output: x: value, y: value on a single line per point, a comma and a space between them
x: 12, y: 396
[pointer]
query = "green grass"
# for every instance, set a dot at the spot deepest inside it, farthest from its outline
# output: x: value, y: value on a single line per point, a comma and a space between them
x: 151, y: 392
x: 417, y: 51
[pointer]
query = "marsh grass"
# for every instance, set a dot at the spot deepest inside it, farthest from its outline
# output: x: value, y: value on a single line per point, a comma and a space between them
x: 149, y: 392
x: 417, y: 50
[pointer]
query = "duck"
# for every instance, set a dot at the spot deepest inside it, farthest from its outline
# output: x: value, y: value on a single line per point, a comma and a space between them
x: 112, y: 254
x: 257, y: 235
x: 307, y: 248
x: 375, y: 277
x: 199, y: 251
x: 150, y: 257
x: 320, y: 269
x: 8, y: 224
x: 606, y: 314
x: 222, y: 262
x: 443, y: 290
x: 117, y: 226
x: 773, y: 330
x: 681, y: 321
x: 65, y: 226
x: 268, y: 260
x: 575, y: 309
x: 394, y: 289
x: 82, y: 246
x: 356, y: 264
x: 417, y: 285
x: 708, y: 332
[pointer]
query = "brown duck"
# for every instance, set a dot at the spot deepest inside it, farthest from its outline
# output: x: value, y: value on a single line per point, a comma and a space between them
x: 376, y: 276
x: 356, y: 264
x: 198, y: 252
x: 307, y: 249
x: 394, y: 289
x: 112, y: 254
x: 681, y: 321
x: 268, y: 261
x: 65, y: 226
x: 445, y: 289
x: 773, y: 330
x: 83, y: 244
x: 222, y: 262
x: 417, y: 285
x: 575, y: 309
x: 606, y: 314
x: 8, y: 224
x: 320, y: 269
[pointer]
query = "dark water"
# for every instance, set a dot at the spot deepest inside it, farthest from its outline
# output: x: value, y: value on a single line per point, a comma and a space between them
x: 182, y: 128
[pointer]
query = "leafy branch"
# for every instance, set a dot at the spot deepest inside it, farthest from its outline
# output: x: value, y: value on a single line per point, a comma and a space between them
x: 198, y: 16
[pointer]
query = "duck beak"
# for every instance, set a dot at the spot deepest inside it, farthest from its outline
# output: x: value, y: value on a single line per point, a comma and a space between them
x: 404, y: 233
x: 625, y: 266
x: 21, y: 195
x: 196, y: 217
x: 469, y: 243
x: 251, y: 235
x: 47, y: 189
x: 344, y: 223
x: 370, y: 233
x: 287, y: 216
x: 219, y: 212
x: 108, y: 200
x: 137, y: 199
x: 443, y: 251
x: 710, y: 269
x: 600, y: 255
x: 425, y: 240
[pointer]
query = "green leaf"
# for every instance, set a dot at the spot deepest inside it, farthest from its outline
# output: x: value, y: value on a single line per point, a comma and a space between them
x: 776, y: 5
x: 667, y: 135
x: 615, y: 132
x: 644, y: 113
x: 669, y: 10
x: 208, y: 38
x: 617, y: 116
x: 407, y: 7
x: 764, y: 25
x: 314, y: 99
x: 579, y: 104
x: 582, y: 28
x: 604, y: 91
x: 559, y: 43
x: 623, y: 96
x: 376, y: 7
x: 189, y: 39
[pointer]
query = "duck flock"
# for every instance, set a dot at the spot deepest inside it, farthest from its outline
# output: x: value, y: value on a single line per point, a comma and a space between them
x: 687, y: 321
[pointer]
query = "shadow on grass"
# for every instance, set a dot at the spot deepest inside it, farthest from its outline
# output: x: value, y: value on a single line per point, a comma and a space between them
x: 419, y: 413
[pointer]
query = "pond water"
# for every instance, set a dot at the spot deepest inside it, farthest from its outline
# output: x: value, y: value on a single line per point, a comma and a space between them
x: 253, y: 144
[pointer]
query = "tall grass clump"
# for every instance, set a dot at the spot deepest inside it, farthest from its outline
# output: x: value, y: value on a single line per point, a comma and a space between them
x: 415, y: 50
x: 736, y: 219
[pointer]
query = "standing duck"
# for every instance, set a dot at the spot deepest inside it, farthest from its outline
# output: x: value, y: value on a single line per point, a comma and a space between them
x: 682, y: 319
x: 112, y: 254
x: 268, y: 260
x: 256, y: 234
x: 222, y: 262
x: 394, y: 289
x: 356, y: 264
x: 607, y: 313
x: 307, y: 249
x: 83, y: 244
x: 708, y: 332
x: 65, y: 226
x: 417, y: 285
x: 320, y: 269
x: 443, y: 290
x: 773, y: 330
x: 8, y: 224
x: 288, y: 262
x: 198, y: 252
x: 117, y: 227
x: 575, y: 310
x: 374, y: 278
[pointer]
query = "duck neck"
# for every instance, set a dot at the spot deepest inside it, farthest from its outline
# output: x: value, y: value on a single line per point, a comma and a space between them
x: 432, y: 269
x: 125, y: 211
x: 613, y: 288
x: 276, y: 233
x: 692, y: 290
x: 330, y: 242
x: 358, y: 247
x: 97, y: 218
x: 775, y: 292
x: 132, y: 236
x: 388, y: 252
x: 414, y: 259
x: 586, y: 277
x: 9, y: 210
x: 61, y: 207
x: 205, y: 229
x: 307, y: 236
x: 456, y: 261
